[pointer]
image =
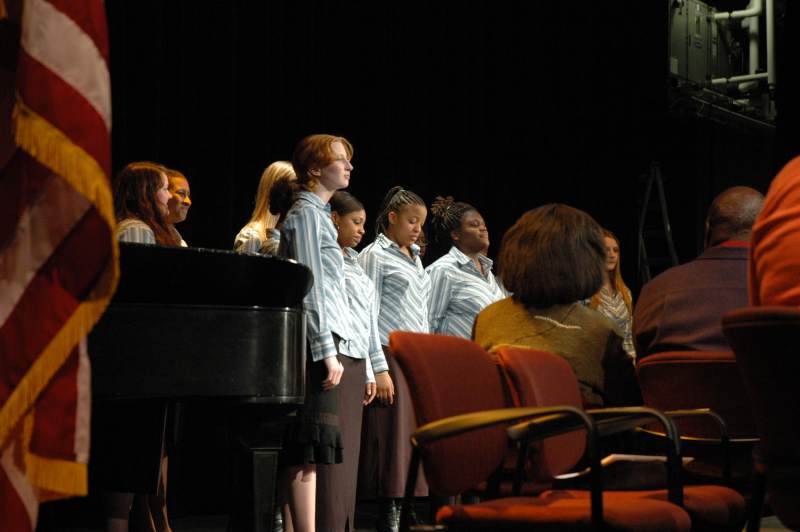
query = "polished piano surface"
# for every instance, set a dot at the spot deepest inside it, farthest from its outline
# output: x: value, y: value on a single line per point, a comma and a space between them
x: 188, y: 322
x: 209, y: 325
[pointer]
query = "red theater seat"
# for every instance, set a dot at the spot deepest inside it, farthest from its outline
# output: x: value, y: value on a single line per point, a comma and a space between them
x: 677, y: 380
x: 460, y: 403
x: 545, y: 379
x: 765, y: 340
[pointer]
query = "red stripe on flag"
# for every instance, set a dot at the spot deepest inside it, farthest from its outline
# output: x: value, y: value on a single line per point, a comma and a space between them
x: 39, y: 368
x: 57, y: 102
x: 58, y: 402
x: 20, y: 184
x: 23, y: 338
x: 52, y: 296
x: 13, y: 512
x: 91, y: 17
x: 82, y: 255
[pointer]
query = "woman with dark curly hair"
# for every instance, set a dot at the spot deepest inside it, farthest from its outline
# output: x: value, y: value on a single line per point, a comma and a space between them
x: 462, y: 282
x: 552, y: 259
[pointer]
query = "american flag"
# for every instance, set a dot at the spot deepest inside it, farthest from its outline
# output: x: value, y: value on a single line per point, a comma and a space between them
x: 58, y: 258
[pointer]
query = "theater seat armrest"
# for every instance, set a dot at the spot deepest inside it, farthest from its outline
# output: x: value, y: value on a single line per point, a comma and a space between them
x: 724, y: 438
x: 615, y: 420
x: 702, y: 412
x: 549, y: 421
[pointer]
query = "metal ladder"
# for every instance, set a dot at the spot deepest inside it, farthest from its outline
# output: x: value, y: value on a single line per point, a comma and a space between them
x: 644, y: 261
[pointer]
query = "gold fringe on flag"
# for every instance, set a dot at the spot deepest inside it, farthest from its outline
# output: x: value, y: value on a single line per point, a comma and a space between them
x: 48, y: 145
x: 59, y: 477
x: 54, y: 150
x: 52, y: 476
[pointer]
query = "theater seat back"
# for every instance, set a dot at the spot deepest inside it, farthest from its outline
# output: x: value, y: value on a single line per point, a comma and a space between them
x: 449, y: 376
x: 677, y: 380
x: 539, y: 378
x: 766, y: 341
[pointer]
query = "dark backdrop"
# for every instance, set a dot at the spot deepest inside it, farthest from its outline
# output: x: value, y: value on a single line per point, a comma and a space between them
x: 506, y: 105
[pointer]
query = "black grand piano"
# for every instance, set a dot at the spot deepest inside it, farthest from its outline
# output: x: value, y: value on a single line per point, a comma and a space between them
x: 198, y: 324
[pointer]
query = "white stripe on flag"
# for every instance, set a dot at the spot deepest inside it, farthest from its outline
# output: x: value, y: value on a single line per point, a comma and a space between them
x: 40, y: 230
x: 45, y: 29
x: 16, y: 476
x: 83, y: 408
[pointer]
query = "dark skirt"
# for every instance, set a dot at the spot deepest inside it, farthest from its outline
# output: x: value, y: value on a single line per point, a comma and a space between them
x: 313, y: 436
x: 336, y: 483
x: 386, y: 444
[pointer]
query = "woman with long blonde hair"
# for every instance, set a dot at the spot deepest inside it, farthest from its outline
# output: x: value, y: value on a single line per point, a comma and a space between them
x: 613, y: 300
x: 260, y: 235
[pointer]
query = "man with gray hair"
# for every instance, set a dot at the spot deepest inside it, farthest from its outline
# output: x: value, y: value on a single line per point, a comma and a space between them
x: 680, y: 310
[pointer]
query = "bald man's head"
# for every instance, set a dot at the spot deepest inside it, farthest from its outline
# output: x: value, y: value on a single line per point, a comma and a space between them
x: 732, y: 214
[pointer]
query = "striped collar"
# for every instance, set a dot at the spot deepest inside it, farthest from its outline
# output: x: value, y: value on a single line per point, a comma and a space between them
x: 462, y: 259
x: 313, y: 199
x: 350, y: 254
x: 386, y: 243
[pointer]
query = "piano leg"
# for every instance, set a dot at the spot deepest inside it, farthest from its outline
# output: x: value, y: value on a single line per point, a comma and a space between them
x: 255, y: 476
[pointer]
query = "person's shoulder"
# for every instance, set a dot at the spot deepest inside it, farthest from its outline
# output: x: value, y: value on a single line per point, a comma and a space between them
x: 373, y: 250
x: 440, y: 265
x: 497, y: 319
x: 673, y: 277
x: 129, y: 223
x: 248, y: 231
x: 134, y: 231
x: 368, y: 250
x: 133, y: 225
x: 501, y: 309
x: 301, y: 212
x: 590, y: 318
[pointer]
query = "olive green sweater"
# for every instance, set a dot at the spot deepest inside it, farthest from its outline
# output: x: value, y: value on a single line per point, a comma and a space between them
x: 589, y: 341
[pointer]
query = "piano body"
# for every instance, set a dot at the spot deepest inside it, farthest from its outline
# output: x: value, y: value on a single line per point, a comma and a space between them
x: 196, y: 324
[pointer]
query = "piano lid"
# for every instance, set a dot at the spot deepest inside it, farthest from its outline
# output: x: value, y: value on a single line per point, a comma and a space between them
x: 199, y: 276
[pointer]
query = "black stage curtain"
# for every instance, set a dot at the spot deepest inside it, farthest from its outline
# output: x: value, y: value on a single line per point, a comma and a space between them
x: 505, y: 105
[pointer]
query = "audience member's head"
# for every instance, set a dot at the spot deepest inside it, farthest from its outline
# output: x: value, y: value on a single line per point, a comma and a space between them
x: 458, y: 224
x: 732, y: 214
x: 180, y: 196
x: 141, y: 190
x: 552, y: 255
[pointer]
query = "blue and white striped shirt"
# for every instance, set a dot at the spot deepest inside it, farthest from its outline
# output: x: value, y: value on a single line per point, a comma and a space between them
x: 134, y: 230
x: 402, y: 287
x: 310, y: 238
x: 459, y: 291
x: 363, y: 305
x: 249, y: 241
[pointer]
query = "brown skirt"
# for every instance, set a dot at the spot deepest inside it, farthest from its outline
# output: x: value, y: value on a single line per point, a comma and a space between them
x: 336, y: 483
x: 386, y: 443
